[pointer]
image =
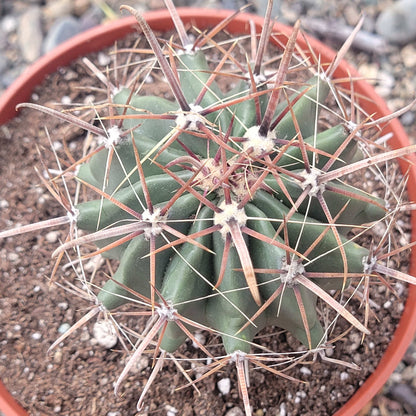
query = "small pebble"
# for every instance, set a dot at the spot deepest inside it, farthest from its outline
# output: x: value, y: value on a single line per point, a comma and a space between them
x: 404, y: 394
x: 66, y: 100
x: 142, y: 363
x: 63, y: 305
x: 224, y: 386
x: 387, y: 305
x: 104, y: 59
x: 408, y: 55
x: 397, y: 22
x: 395, y: 378
x: 408, y: 118
x: 235, y: 411
x: 62, y: 30
x: 103, y: 381
x: 52, y: 237
x: 355, y: 341
x: 305, y: 371
x: 94, y: 264
x: 105, y: 334
x: 92, y: 17
x: 4, y: 204
x: 200, y: 339
x: 13, y: 257
x: 171, y: 411
x: 29, y: 34
x: 385, y: 83
x: 9, y: 24
x: 57, y: 357
x: 4, y: 63
x: 329, y: 352
x: 64, y: 328
x: 54, y: 9
x: 344, y: 376
x: 85, y: 336
x: 261, y: 6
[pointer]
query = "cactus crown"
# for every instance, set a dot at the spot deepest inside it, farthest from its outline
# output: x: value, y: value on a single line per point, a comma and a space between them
x: 228, y: 209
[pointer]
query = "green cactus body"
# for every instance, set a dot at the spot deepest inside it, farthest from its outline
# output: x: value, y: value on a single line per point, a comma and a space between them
x: 229, y: 312
x: 305, y: 110
x: 101, y: 213
x: 134, y: 269
x: 194, y: 73
x: 196, y: 159
x: 327, y: 141
x: 134, y: 272
x: 305, y: 231
x: 284, y: 312
x: 359, y: 211
x: 244, y: 112
x: 186, y: 282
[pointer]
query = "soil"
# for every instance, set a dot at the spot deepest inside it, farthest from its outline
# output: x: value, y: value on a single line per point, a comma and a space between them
x: 78, y: 376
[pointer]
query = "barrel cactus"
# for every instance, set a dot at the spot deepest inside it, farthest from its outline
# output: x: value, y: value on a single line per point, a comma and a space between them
x: 228, y: 207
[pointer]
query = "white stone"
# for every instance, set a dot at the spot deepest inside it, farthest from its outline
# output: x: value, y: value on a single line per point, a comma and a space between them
x: 66, y: 100
x: 13, y: 257
x: 171, y: 411
x: 9, y: 24
x: 52, y: 237
x: 224, y: 386
x: 4, y: 204
x: 105, y: 334
x: 344, y: 376
x: 235, y: 411
x: 408, y: 54
x: 200, y: 339
x: 29, y: 34
x: 64, y: 328
x: 104, y: 59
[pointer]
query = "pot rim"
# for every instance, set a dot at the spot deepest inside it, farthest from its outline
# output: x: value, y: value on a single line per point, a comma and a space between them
x: 104, y: 35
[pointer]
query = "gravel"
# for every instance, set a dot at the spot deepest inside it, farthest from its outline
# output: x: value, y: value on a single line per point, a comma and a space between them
x: 385, y: 51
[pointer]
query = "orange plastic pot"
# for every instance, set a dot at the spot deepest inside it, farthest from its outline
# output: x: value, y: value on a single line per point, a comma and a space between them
x: 99, y: 37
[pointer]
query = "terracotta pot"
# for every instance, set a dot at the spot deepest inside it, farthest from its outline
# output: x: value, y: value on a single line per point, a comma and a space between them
x: 102, y: 36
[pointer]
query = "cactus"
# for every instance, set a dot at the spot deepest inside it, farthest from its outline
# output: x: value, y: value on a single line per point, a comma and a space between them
x: 228, y: 209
